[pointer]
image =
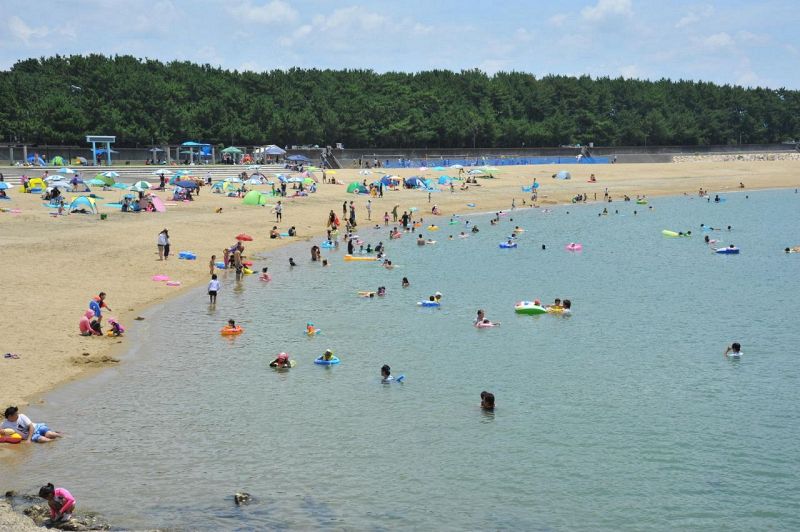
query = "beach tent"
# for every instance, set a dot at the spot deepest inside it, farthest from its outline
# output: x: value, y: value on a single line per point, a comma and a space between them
x: 65, y: 171
x: 232, y: 180
x: 105, y: 180
x: 96, y: 182
x: 83, y: 202
x: 35, y: 185
x: 33, y: 159
x: 57, y: 161
x: 477, y: 171
x: 414, y: 181
x: 445, y: 180
x: 79, y: 161
x: 308, y: 181
x: 254, y: 197
x: 140, y: 186
x: 563, y: 174
x: 254, y: 181
x: 4, y: 185
x: 357, y: 187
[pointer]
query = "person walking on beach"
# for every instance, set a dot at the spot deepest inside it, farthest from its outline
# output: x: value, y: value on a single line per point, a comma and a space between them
x: 97, y: 304
x: 162, y: 244
x: 278, y: 212
x: 237, y: 262
x: 369, y: 210
x: 394, y: 213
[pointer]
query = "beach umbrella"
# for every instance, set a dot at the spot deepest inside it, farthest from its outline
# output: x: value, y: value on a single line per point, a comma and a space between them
x: 295, y: 180
x: 65, y: 171
x: 242, y: 237
x: 140, y: 186
x: 457, y: 166
x: 232, y: 149
x: 281, y: 178
x: 186, y: 184
x: 161, y: 172
x: 111, y: 173
x: 51, y: 178
x: 97, y: 182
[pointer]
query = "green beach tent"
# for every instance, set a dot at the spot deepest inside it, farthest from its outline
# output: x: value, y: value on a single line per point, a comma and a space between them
x: 254, y: 197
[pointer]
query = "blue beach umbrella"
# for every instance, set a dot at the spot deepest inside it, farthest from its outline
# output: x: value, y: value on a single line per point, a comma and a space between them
x: 187, y: 184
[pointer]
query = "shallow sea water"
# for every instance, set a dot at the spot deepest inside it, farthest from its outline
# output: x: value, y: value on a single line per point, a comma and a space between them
x: 624, y: 416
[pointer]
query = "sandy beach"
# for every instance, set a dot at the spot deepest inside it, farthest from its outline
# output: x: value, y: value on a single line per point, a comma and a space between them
x: 54, y: 265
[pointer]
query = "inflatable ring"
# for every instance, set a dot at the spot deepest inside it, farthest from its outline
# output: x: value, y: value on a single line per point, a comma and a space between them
x: 507, y: 245
x: 727, y: 251
x: 572, y: 246
x: 429, y: 304
x: 433, y: 228
x: 322, y: 362
x: 231, y: 331
x: 528, y: 307
x: 351, y: 258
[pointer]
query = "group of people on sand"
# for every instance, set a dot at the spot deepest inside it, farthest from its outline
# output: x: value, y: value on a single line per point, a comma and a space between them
x: 91, y: 322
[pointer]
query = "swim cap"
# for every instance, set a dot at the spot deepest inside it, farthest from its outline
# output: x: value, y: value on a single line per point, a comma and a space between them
x: 282, y: 356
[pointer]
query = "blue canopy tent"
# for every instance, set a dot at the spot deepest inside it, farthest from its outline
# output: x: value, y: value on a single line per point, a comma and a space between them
x: 298, y: 158
x: 274, y: 150
x: 37, y: 160
x: 197, y: 148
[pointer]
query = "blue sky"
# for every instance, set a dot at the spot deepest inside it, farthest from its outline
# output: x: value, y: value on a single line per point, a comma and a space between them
x: 747, y: 43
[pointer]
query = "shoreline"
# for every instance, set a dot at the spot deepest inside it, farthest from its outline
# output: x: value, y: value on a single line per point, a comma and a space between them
x: 494, y: 195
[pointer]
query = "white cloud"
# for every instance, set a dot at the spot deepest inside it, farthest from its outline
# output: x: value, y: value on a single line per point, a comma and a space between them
x: 717, y: 41
x: 557, y: 20
x: 695, y: 15
x: 272, y: 12
x: 607, y: 8
x: 752, y: 38
x: 19, y: 29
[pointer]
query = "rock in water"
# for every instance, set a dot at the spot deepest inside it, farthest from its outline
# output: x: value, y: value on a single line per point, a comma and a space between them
x: 241, y: 497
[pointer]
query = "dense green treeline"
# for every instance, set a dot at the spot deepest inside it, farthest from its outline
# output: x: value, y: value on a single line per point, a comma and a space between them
x: 61, y: 99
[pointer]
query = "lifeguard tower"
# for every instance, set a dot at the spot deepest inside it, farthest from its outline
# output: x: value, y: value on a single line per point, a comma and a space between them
x: 108, y: 140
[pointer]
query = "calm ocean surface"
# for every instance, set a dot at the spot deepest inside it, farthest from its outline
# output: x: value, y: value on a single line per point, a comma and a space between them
x: 624, y: 416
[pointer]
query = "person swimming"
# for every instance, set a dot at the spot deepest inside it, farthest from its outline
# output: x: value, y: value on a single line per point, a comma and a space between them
x: 381, y: 291
x: 734, y: 350
x: 292, y: 263
x: 281, y: 361
x: 420, y: 241
x: 265, y: 276
x: 487, y: 400
x: 386, y: 374
x: 327, y: 355
x: 405, y: 283
x: 475, y: 229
